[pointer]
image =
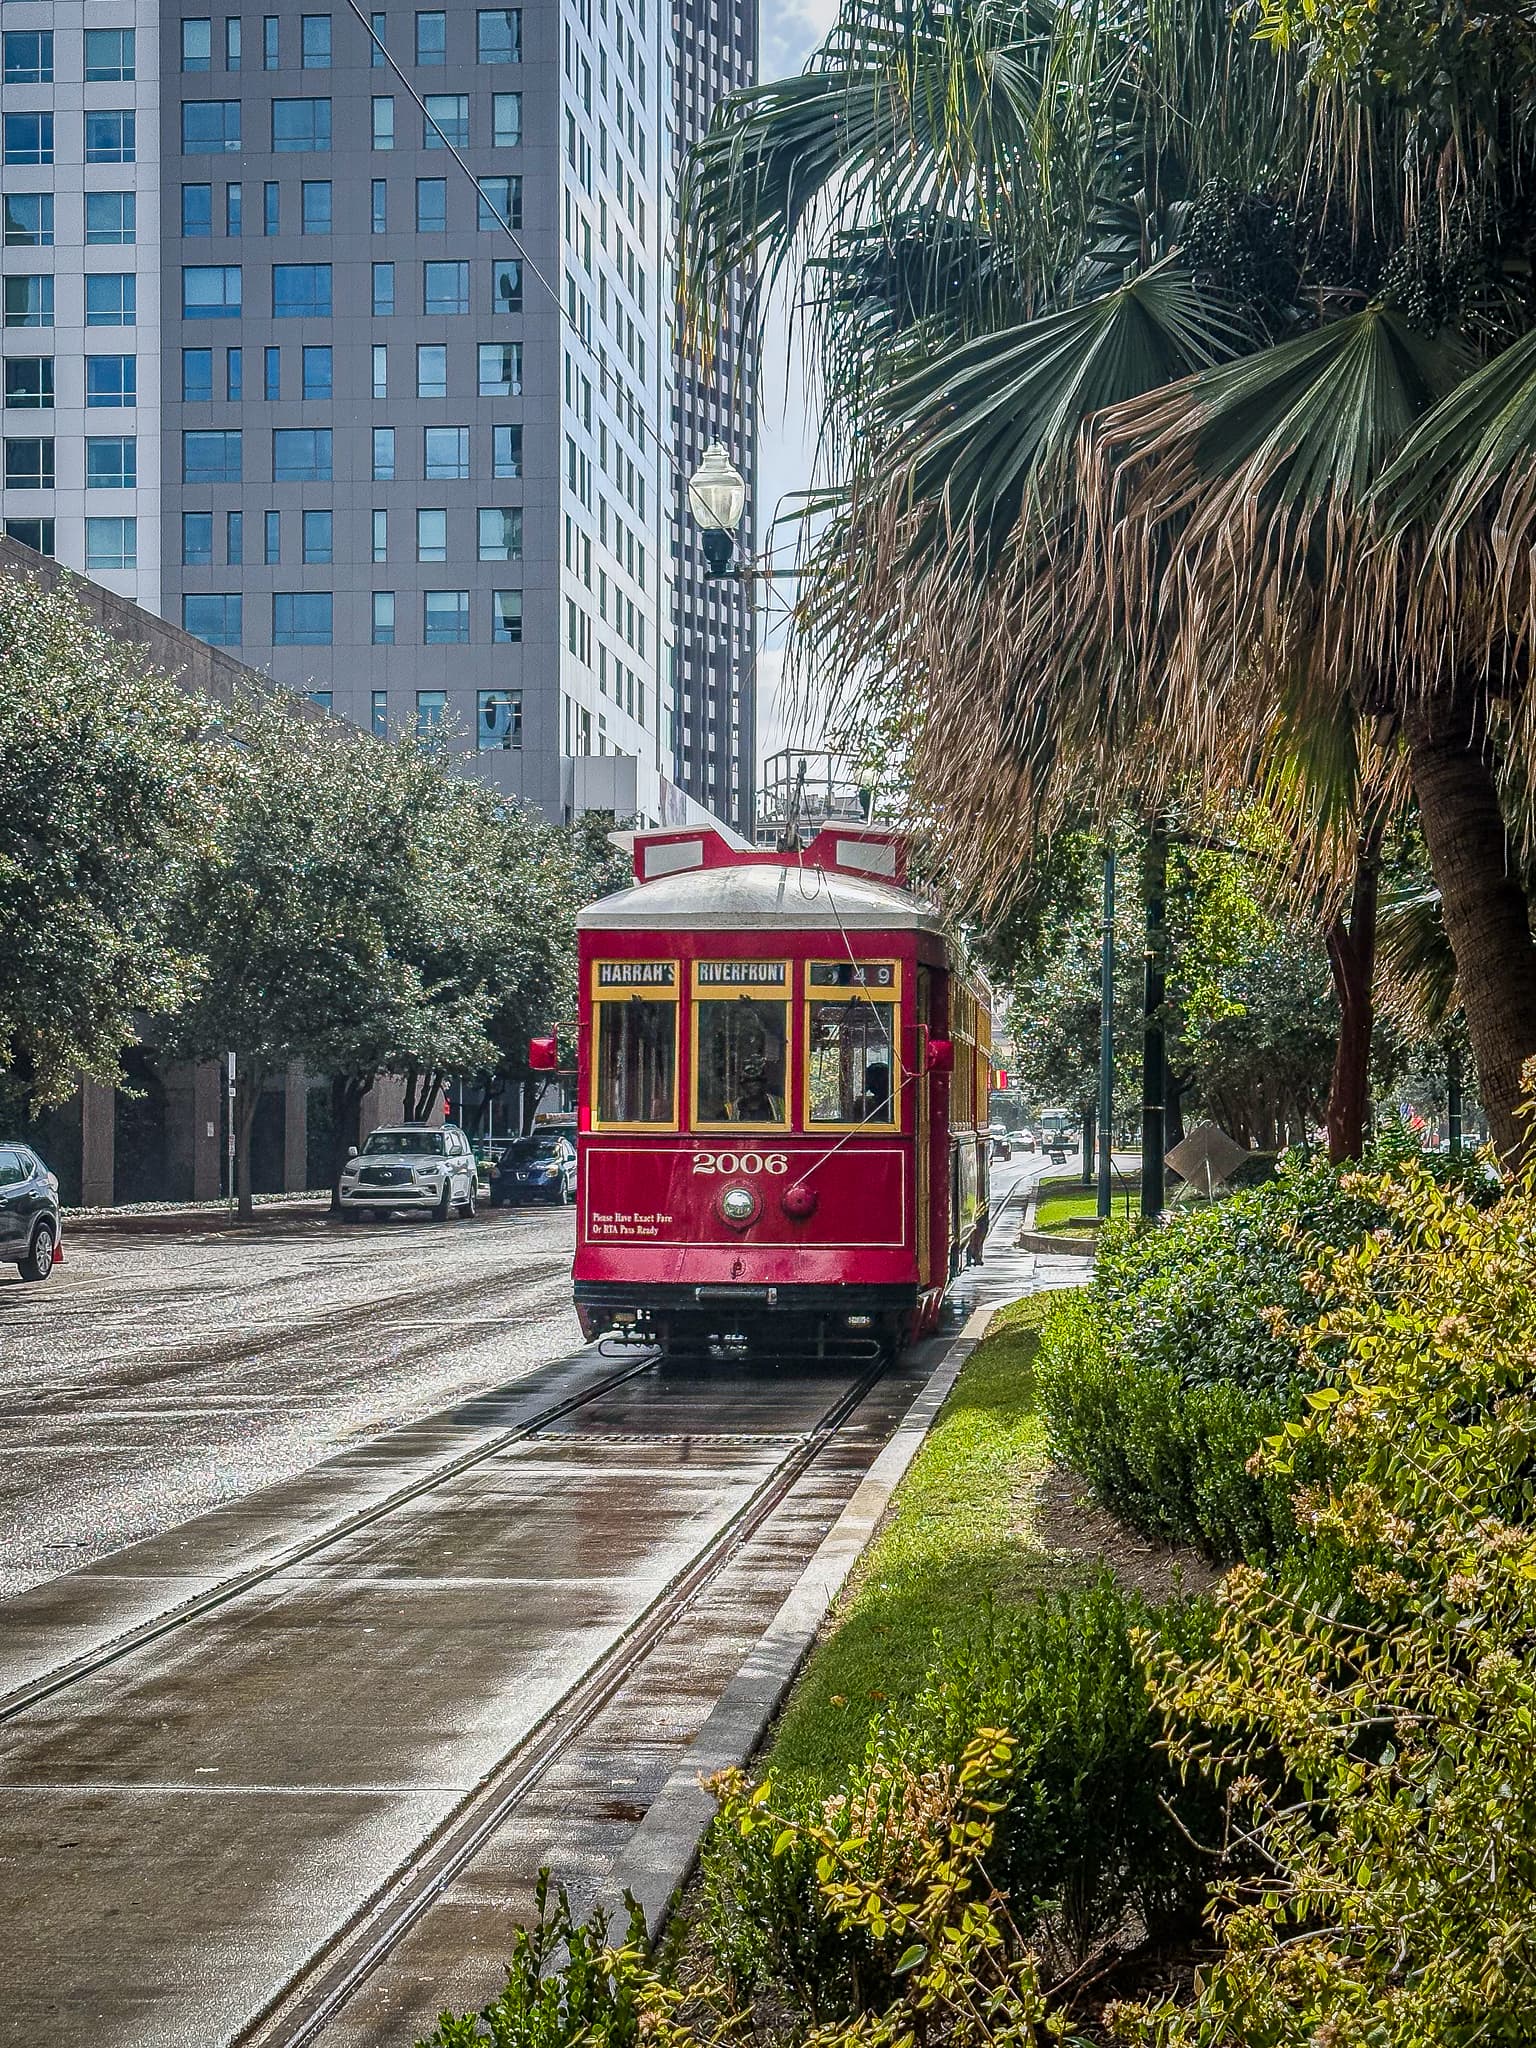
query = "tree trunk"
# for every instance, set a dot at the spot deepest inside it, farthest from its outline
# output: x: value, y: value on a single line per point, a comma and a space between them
x: 1487, y: 919
x: 1351, y: 944
x: 347, y: 1092
x: 250, y: 1079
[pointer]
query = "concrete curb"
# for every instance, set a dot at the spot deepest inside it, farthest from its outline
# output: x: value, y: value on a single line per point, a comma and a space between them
x: 216, y: 1216
x: 660, y: 1855
x: 1043, y: 1241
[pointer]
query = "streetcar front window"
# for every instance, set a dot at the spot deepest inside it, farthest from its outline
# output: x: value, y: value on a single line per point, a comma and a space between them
x: 740, y: 1070
x: 636, y: 1062
x: 852, y: 1062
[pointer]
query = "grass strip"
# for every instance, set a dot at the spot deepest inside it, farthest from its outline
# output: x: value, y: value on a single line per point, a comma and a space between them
x: 1066, y: 1207
x: 959, y: 1536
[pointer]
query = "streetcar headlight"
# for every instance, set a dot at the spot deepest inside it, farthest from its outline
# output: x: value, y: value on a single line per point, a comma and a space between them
x: 738, y: 1205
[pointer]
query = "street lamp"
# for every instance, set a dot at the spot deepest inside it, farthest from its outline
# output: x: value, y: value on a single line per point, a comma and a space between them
x: 717, y: 497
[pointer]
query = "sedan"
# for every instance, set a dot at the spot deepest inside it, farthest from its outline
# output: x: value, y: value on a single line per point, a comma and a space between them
x: 30, y: 1230
x: 537, y: 1169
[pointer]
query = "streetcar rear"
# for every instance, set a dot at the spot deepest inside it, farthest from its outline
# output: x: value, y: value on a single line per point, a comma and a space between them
x: 779, y: 1069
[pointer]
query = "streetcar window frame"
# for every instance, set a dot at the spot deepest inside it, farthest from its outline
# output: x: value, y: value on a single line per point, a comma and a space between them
x: 610, y: 998
x: 886, y: 995
x: 709, y: 991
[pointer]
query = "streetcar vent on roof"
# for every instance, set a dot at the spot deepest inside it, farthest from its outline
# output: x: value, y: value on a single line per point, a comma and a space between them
x: 671, y: 857
x: 866, y: 856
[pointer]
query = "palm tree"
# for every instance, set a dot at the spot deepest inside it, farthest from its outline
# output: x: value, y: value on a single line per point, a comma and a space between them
x: 1153, y: 399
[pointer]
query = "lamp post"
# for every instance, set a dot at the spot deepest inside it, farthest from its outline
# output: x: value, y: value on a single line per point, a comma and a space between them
x: 717, y: 497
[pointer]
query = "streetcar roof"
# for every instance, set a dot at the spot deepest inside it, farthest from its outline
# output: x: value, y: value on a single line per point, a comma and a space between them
x: 762, y: 895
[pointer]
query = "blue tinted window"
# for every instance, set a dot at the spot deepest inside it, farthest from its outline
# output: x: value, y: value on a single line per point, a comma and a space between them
x: 210, y: 291
x: 211, y: 458
x: 111, y: 299
x: 301, y: 291
x: 301, y: 124
x: 301, y: 618
x: 111, y: 380
x: 214, y: 619
x: 301, y: 455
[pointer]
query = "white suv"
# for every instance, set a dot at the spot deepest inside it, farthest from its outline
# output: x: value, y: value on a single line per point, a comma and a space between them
x: 410, y: 1166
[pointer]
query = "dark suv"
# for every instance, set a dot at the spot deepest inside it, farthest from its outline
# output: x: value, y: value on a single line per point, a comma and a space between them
x: 29, y: 1212
x: 537, y: 1169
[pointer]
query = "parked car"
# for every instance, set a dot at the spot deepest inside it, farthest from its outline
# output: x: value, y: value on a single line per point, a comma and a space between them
x: 537, y: 1169
x: 31, y: 1232
x: 411, y: 1166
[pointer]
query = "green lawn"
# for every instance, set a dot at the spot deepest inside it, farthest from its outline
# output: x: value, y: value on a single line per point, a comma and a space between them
x: 1067, y: 1207
x: 959, y: 1533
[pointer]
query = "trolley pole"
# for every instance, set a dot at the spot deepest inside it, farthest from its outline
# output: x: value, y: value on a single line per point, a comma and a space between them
x: 1153, y: 1047
x: 1107, y: 1038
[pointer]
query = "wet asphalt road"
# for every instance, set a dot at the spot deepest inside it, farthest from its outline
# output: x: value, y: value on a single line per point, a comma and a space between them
x: 156, y: 1376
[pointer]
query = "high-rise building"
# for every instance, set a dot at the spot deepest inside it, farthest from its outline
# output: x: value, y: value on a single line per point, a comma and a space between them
x: 714, y: 630
x: 276, y: 369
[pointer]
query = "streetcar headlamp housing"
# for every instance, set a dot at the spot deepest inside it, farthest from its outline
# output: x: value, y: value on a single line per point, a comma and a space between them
x: 738, y: 1205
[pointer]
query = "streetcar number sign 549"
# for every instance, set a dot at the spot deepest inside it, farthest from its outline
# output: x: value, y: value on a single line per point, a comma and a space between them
x: 741, y: 1162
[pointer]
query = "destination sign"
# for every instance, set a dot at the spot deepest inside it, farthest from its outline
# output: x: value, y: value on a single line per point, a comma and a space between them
x: 637, y: 973
x: 740, y: 973
x: 853, y: 974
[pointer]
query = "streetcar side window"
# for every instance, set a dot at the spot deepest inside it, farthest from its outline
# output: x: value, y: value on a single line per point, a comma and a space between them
x: 851, y: 1067
x: 740, y: 1065
x: 636, y: 1061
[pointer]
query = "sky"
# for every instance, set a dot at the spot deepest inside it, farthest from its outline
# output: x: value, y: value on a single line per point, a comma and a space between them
x: 789, y: 31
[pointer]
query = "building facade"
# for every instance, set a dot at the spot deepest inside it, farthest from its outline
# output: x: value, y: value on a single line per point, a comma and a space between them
x: 276, y: 369
x: 714, y: 629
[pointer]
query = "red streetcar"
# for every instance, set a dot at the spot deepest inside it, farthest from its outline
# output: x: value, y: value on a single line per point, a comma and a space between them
x: 783, y: 1096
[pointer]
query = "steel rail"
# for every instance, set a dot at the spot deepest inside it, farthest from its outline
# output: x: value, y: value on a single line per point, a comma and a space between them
x: 311, y: 1999
x: 92, y: 1661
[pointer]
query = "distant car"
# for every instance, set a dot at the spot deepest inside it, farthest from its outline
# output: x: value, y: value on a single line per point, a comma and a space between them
x: 31, y: 1231
x: 537, y: 1169
x: 411, y: 1166
x: 1002, y: 1147
x: 1025, y: 1140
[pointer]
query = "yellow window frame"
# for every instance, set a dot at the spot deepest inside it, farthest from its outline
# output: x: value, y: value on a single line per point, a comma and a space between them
x: 701, y: 991
x: 889, y: 995
x: 604, y: 998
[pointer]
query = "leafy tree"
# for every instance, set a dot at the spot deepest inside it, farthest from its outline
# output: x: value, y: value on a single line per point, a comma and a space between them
x: 101, y: 800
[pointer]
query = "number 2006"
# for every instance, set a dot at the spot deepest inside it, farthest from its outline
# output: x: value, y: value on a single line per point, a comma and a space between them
x: 741, y: 1162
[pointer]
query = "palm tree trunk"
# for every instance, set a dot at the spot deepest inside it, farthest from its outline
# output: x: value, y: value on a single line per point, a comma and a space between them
x: 1487, y: 918
x: 1351, y: 945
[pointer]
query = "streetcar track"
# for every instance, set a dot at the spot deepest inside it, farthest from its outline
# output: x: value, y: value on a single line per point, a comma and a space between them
x: 63, y: 1676
x: 299, y: 2011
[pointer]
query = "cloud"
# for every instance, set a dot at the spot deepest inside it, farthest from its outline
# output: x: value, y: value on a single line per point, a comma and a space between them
x: 790, y: 30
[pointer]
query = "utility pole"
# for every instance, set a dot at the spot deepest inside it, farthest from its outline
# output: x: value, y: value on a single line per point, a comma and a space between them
x: 1453, y: 1095
x: 1107, y: 1037
x: 1153, y: 1048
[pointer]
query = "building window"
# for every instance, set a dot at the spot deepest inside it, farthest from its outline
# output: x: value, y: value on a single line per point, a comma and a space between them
x: 445, y: 124
x: 376, y: 42
x: 209, y: 127
x: 445, y: 288
x: 431, y: 206
x: 431, y: 710
x: 506, y: 119
x: 379, y: 699
x: 316, y: 528
x: 321, y: 699
x: 315, y: 206
x: 36, y: 534
x: 501, y: 369
x: 271, y: 375
x: 271, y: 207
x: 445, y: 454
x: 300, y: 125
x: 197, y: 539
x: 272, y: 538
x: 210, y: 291
x: 380, y: 370
x: 431, y: 370
x: 111, y: 380
x: 301, y: 618
x: 197, y: 45
x: 315, y: 42
x: 233, y: 209
x: 499, y: 35
x: 215, y: 620
x: 196, y: 376
x: 29, y: 383
x: 234, y: 538
x: 301, y: 455
x: 108, y: 56
x: 431, y: 535
x: 383, y: 290
x: 507, y: 616
x: 111, y: 462
x: 109, y: 136
x: 28, y: 465
x: 507, y: 285
x: 301, y: 291
x: 196, y: 210
x: 110, y: 217
x: 269, y: 42
x: 112, y: 543
x: 316, y: 367
x: 211, y: 457
x: 28, y: 56
x: 383, y: 455
x: 383, y: 122
x: 498, y: 719
x: 378, y: 214
x: 431, y: 39
x: 28, y: 138
x: 383, y: 636
x: 500, y: 203
x: 110, y: 299
x: 28, y: 220
x: 501, y: 534
x: 380, y: 525
x: 506, y: 451
x: 234, y: 375
x: 231, y: 42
